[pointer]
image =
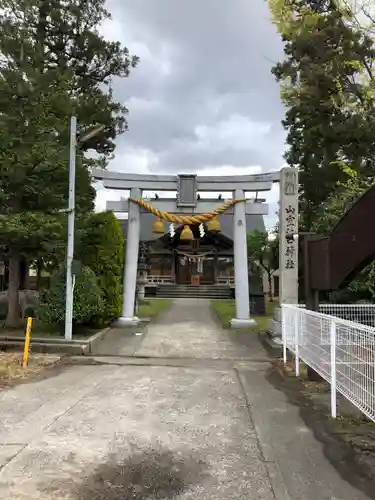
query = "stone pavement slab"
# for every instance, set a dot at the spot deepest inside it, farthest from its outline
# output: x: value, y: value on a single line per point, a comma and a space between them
x: 8, y: 452
x: 160, y: 433
x: 120, y: 341
x: 30, y: 408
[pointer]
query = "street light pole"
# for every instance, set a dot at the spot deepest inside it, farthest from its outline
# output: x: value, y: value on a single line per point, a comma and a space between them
x: 69, y: 294
x: 71, y: 217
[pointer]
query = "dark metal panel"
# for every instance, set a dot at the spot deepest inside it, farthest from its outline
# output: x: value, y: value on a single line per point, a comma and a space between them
x: 352, y: 244
x: 319, y: 264
x: 336, y: 260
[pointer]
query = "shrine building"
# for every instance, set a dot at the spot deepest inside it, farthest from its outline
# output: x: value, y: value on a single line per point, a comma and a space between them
x: 191, y: 265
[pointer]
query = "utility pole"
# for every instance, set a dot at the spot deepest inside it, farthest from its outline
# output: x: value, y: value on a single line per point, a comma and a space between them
x: 71, y: 219
x: 69, y: 296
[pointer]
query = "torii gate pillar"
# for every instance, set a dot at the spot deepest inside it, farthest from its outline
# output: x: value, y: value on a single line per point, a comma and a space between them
x: 241, y: 280
x: 131, y: 263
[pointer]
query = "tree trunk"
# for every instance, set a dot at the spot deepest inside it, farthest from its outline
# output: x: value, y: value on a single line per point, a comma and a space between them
x: 24, y: 274
x: 6, y: 274
x: 39, y: 267
x: 13, y: 317
x: 270, y: 288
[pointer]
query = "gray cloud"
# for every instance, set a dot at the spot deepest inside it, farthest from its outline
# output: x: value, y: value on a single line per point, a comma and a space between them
x: 203, y: 95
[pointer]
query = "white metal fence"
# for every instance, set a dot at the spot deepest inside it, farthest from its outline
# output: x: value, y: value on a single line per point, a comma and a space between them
x: 359, y: 313
x: 342, y: 351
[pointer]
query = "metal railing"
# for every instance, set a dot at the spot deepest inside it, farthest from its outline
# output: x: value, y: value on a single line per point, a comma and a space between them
x: 225, y: 280
x: 158, y: 279
x: 359, y: 313
x: 341, y: 351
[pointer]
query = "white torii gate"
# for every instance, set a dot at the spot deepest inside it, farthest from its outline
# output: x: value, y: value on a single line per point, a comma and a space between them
x: 187, y: 187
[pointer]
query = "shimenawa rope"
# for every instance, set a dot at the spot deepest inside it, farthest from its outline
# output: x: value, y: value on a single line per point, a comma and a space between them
x: 185, y: 219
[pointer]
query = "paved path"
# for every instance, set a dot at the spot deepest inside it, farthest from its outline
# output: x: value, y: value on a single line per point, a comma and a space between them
x: 200, y: 421
x: 188, y: 329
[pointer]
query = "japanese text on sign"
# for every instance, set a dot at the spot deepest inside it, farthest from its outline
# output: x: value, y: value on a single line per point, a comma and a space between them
x: 290, y: 231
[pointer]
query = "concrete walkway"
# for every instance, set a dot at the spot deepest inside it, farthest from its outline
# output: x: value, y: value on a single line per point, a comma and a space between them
x: 189, y: 330
x: 200, y: 421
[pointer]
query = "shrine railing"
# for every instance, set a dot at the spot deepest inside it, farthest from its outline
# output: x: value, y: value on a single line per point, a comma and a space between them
x: 225, y: 280
x: 159, y: 279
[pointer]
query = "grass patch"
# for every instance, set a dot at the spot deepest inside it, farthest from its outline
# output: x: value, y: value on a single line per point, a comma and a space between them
x: 11, y: 365
x: 226, y: 310
x: 271, y: 306
x: 151, y: 308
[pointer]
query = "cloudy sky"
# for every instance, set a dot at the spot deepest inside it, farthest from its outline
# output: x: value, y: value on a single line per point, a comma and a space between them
x: 202, y: 99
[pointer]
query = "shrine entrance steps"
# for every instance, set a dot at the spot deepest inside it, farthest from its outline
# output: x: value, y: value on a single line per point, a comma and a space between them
x: 194, y: 291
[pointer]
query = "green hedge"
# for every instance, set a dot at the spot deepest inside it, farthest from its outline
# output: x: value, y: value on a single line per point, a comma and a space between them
x: 102, y: 249
x: 88, y: 299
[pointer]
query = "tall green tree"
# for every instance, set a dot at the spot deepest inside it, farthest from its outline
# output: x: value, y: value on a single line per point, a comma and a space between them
x: 54, y: 63
x: 339, y: 202
x: 64, y: 35
x: 330, y: 112
x: 33, y: 169
x: 263, y: 250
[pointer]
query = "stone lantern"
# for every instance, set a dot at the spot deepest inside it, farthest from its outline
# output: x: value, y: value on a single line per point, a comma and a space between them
x: 142, y: 272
